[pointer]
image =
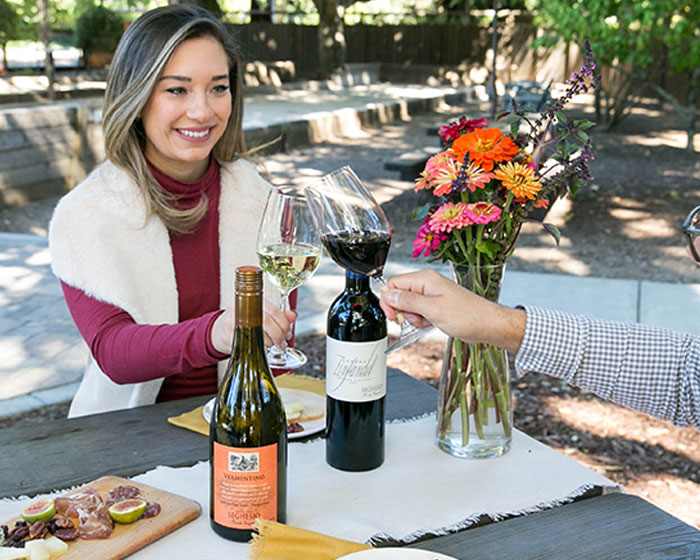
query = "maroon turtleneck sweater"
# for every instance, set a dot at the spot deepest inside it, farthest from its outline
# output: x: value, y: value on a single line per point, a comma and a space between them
x: 182, y: 353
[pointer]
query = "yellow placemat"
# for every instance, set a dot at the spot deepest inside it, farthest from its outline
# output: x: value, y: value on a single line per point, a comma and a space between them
x: 274, y: 541
x: 302, y: 382
x: 194, y: 420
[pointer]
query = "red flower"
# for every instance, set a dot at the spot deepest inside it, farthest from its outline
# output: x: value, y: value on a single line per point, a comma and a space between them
x: 453, y: 130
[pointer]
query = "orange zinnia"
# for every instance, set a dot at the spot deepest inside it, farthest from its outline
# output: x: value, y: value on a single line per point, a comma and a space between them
x: 485, y: 146
x: 519, y: 179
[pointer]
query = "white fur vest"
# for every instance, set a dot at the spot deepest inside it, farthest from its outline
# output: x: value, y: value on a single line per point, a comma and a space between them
x: 102, y: 244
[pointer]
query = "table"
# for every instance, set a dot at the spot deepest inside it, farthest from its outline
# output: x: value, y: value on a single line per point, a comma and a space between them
x: 64, y: 453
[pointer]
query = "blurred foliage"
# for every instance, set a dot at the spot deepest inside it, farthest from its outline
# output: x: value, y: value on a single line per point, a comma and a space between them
x: 638, y: 41
x: 9, y: 27
x: 9, y: 22
x: 626, y: 31
x: 98, y: 29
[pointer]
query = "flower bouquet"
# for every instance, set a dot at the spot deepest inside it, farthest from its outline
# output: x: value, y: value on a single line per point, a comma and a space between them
x: 486, y: 183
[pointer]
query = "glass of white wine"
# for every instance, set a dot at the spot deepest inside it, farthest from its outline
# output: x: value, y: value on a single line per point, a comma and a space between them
x: 289, y: 252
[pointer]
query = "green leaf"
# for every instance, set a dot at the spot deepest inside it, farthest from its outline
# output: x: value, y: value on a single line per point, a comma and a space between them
x: 421, y: 212
x: 487, y: 247
x: 573, y: 184
x: 552, y: 230
x: 584, y: 124
x: 561, y: 117
x: 514, y: 128
x: 581, y: 135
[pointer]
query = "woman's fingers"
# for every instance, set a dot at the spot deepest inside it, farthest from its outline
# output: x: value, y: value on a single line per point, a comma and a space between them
x: 277, y: 325
x: 222, y: 332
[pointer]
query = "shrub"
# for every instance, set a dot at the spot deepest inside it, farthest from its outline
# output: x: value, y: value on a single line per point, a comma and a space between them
x: 98, y: 29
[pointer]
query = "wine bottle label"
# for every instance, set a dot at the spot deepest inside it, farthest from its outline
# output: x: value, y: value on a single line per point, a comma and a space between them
x: 355, y: 371
x: 245, y: 485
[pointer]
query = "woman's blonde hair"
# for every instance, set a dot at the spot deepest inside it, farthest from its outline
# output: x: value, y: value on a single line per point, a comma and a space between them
x: 143, y: 52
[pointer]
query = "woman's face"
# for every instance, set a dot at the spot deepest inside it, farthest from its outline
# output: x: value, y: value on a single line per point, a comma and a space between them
x: 188, y: 109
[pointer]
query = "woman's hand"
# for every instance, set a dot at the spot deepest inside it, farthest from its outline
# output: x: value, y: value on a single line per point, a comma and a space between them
x: 428, y: 298
x: 277, y: 327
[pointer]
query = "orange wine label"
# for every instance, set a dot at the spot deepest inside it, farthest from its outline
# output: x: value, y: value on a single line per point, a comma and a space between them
x: 245, y: 485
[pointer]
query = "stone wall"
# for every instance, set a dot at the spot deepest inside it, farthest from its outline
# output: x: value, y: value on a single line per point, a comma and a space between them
x: 47, y: 149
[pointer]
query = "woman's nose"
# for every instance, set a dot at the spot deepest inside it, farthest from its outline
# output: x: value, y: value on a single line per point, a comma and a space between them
x: 199, y: 108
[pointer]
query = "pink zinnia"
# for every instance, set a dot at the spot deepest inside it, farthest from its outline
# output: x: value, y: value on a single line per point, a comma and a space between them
x: 448, y: 217
x: 483, y: 212
x: 439, y: 173
x: 426, y: 240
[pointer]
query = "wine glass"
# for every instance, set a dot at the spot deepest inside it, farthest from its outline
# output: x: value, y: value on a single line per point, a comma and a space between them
x: 355, y: 232
x: 289, y: 252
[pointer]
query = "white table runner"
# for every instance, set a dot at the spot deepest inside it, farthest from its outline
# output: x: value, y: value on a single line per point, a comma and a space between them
x: 419, y: 489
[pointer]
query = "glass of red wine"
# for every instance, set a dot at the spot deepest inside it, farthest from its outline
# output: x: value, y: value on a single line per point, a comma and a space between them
x: 355, y: 232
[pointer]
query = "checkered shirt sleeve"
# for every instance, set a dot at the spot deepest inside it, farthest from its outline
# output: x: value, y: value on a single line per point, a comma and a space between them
x: 648, y: 368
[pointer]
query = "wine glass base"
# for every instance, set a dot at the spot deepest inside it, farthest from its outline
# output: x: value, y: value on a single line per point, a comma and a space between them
x: 407, y: 337
x: 291, y: 358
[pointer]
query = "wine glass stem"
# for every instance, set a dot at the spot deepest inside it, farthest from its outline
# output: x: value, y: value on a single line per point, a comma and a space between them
x: 284, y: 307
x: 284, y: 304
x: 382, y: 284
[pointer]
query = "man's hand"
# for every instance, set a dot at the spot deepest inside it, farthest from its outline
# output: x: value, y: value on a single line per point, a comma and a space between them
x: 428, y: 298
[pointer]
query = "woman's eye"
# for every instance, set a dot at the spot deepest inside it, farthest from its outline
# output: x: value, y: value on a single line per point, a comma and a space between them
x: 176, y: 90
x: 221, y: 89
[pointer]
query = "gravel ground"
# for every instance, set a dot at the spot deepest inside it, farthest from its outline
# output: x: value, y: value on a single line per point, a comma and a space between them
x: 625, y: 226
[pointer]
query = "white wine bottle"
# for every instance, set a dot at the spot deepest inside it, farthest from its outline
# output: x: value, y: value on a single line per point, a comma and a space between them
x: 248, y: 428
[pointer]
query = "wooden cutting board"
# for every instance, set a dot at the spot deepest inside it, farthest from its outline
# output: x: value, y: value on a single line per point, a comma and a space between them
x: 175, y: 511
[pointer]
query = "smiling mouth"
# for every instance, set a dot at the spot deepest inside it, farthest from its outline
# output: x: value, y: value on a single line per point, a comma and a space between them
x: 195, y: 134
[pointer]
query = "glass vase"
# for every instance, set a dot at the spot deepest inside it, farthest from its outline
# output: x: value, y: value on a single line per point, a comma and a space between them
x: 475, y: 407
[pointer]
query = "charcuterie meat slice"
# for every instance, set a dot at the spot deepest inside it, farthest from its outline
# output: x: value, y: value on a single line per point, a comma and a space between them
x: 96, y: 524
x: 121, y: 493
x: 87, y: 500
x: 152, y: 509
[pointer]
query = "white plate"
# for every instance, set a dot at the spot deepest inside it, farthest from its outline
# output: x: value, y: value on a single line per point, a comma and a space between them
x: 392, y: 553
x: 307, y: 398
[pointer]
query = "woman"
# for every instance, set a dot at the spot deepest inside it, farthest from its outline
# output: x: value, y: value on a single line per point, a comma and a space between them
x: 147, y: 245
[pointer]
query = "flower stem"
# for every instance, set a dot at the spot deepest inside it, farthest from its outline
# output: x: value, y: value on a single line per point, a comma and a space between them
x: 464, y: 410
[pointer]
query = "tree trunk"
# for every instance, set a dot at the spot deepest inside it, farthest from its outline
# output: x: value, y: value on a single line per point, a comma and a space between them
x: 258, y: 12
x: 45, y: 33
x: 4, y: 57
x: 211, y: 5
x: 494, y: 48
x: 331, y: 37
x: 693, y: 86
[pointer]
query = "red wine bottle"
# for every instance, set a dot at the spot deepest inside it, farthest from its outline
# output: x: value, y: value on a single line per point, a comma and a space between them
x: 248, y: 428
x: 355, y: 378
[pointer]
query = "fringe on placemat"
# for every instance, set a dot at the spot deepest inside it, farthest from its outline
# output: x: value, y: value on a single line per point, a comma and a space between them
x: 384, y: 539
x: 259, y: 536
